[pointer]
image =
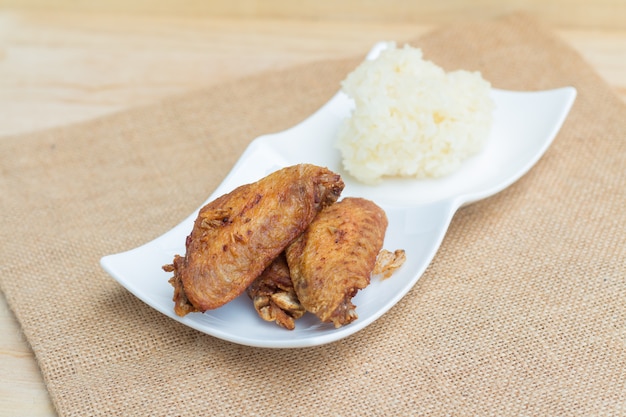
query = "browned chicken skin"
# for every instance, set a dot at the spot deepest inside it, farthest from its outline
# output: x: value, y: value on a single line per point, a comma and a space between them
x: 273, y: 295
x: 335, y: 256
x: 236, y: 236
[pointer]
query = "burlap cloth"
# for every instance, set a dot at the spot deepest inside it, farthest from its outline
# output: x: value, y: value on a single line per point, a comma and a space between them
x: 522, y: 311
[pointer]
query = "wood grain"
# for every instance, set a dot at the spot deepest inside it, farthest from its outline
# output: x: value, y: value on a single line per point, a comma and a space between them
x: 606, y: 14
x: 71, y: 61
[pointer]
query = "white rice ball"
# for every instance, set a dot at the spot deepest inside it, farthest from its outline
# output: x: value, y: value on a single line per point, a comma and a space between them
x: 411, y: 118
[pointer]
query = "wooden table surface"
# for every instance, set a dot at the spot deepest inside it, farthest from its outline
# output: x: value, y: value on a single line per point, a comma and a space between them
x: 61, y: 65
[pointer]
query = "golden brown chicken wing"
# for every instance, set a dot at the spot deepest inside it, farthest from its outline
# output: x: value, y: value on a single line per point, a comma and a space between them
x: 236, y: 236
x: 335, y: 256
x: 273, y: 295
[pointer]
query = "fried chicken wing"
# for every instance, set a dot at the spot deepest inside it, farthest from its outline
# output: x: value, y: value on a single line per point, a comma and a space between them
x: 335, y: 256
x: 236, y: 236
x: 273, y: 295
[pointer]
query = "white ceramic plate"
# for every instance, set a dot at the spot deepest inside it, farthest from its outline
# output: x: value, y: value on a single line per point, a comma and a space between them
x: 419, y: 213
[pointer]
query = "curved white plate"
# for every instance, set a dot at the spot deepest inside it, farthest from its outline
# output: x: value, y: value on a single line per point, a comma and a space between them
x: 419, y: 213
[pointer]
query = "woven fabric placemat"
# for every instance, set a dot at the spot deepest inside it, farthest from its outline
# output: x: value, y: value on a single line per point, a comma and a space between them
x: 522, y: 311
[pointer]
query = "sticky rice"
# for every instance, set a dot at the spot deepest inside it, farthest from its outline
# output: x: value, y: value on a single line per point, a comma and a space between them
x: 411, y: 118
